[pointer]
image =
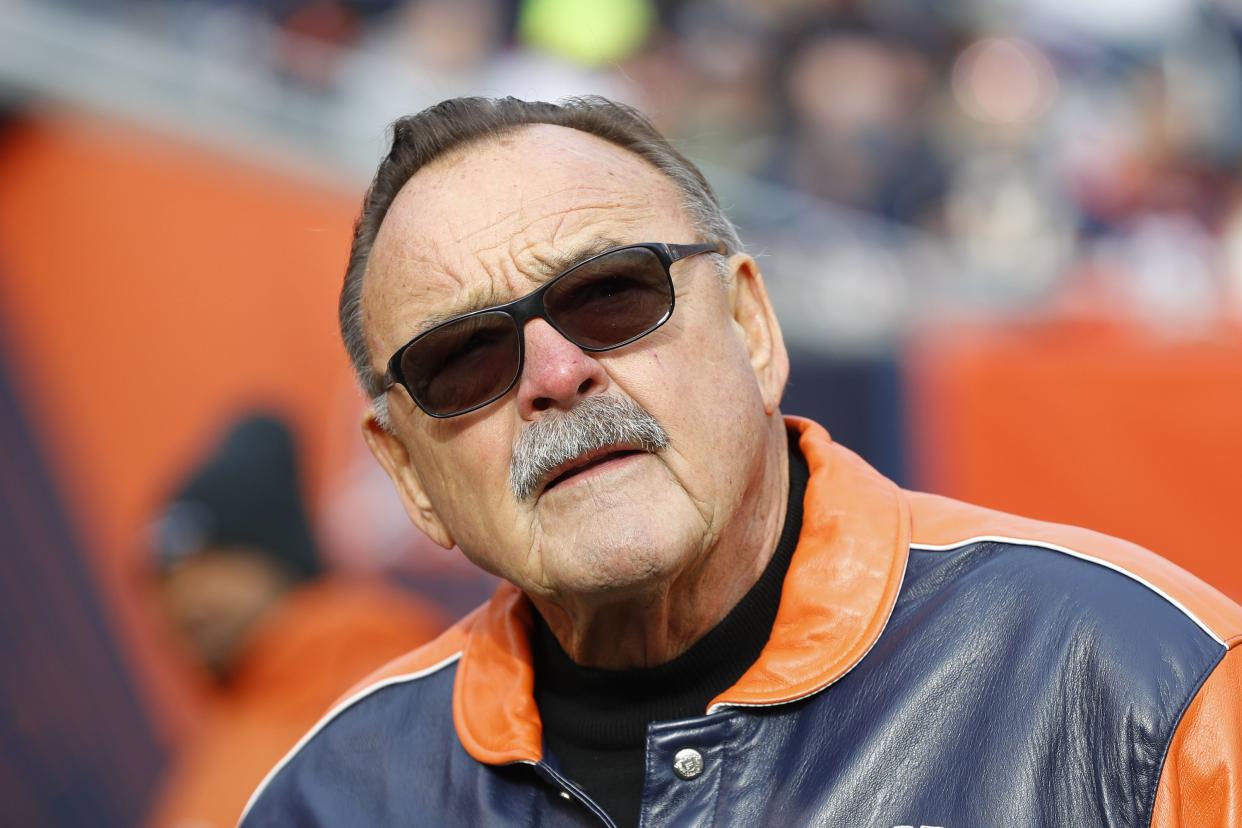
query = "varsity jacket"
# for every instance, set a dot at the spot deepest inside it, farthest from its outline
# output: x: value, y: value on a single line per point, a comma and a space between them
x: 931, y: 664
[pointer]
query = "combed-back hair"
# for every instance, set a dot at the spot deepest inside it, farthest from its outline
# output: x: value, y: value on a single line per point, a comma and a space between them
x: 419, y: 139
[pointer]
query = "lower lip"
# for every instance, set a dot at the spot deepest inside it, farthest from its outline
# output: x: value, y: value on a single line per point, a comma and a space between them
x: 598, y: 468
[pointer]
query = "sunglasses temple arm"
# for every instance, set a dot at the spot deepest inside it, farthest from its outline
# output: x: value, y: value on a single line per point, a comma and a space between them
x: 677, y: 252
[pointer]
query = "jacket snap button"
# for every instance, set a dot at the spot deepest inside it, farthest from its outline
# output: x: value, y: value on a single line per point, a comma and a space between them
x: 688, y: 763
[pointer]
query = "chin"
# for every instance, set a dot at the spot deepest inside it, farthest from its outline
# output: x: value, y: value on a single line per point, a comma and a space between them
x: 622, y: 558
x: 621, y: 533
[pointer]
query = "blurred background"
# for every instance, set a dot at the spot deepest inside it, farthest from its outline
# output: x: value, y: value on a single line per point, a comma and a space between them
x: 1004, y: 239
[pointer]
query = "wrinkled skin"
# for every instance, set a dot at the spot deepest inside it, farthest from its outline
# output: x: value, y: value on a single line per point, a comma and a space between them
x: 633, y: 562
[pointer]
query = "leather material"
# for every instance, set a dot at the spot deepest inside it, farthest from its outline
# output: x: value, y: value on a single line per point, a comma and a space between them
x: 395, y: 760
x: 1013, y: 686
x: 939, y: 520
x: 1028, y: 681
x: 842, y: 582
x: 1201, y: 783
x: 672, y: 801
x: 499, y: 727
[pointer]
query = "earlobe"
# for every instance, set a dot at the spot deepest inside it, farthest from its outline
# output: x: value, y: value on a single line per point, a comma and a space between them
x: 394, y: 458
x: 753, y: 314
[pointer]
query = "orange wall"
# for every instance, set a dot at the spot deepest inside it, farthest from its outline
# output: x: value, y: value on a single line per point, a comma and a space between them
x: 148, y: 289
x: 1102, y: 426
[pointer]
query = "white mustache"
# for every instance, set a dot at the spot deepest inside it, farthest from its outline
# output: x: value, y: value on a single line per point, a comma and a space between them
x: 597, y: 422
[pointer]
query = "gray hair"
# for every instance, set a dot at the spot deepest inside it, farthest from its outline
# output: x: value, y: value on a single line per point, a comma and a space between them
x: 596, y: 422
x: 419, y: 139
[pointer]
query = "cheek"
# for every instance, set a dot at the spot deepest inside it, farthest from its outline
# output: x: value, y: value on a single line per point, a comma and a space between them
x: 462, y: 457
x: 711, y: 367
x: 706, y: 391
x: 467, y: 480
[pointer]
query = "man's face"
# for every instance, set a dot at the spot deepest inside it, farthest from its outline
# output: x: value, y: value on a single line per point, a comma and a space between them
x: 479, y: 227
x: 216, y: 597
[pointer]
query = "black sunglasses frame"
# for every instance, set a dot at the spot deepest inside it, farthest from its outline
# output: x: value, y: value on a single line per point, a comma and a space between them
x: 530, y: 306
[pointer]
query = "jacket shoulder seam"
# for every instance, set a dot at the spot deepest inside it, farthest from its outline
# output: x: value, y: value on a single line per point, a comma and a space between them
x: 1065, y: 550
x: 337, y: 710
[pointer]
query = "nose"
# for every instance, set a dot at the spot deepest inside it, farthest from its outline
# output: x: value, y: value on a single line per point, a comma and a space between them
x: 556, y: 374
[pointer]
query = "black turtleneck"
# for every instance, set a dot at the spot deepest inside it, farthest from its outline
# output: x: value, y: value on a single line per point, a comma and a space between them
x: 595, y: 721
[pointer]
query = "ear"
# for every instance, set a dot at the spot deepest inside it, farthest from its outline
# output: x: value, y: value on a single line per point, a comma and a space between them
x: 393, y: 456
x: 753, y: 314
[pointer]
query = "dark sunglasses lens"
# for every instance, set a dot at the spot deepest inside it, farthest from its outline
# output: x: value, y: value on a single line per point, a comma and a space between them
x: 612, y: 299
x: 462, y: 364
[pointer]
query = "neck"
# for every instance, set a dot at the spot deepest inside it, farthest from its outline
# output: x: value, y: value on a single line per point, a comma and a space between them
x: 657, y: 623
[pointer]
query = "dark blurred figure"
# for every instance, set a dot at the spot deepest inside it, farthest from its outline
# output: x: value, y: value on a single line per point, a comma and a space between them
x: 238, y: 575
x: 852, y: 102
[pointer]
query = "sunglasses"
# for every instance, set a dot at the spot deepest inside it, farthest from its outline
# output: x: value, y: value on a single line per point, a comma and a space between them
x: 599, y: 304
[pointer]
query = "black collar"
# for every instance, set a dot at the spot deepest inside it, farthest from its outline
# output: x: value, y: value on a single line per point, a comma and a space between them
x: 610, y: 709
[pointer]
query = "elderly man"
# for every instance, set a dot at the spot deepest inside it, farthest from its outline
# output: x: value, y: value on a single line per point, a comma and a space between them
x: 713, y: 615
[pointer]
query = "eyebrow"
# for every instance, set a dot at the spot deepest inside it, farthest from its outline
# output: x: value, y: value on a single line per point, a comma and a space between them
x: 547, y: 269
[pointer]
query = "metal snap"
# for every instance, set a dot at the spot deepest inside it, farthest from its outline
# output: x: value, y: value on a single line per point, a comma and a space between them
x: 688, y: 763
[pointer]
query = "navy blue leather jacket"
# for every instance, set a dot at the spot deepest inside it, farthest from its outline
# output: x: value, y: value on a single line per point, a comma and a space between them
x: 931, y: 664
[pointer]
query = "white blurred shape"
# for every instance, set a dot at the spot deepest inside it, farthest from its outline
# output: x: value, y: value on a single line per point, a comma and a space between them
x: 1007, y: 226
x: 1127, y: 21
x: 851, y: 296
x: 1164, y: 272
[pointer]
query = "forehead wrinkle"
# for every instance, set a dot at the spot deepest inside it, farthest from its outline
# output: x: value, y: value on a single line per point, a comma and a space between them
x: 571, y: 230
x: 411, y: 274
x: 550, y: 264
x: 525, y: 204
x: 618, y: 213
x: 618, y: 192
x: 416, y: 294
x: 553, y: 241
x: 553, y: 262
x: 540, y: 261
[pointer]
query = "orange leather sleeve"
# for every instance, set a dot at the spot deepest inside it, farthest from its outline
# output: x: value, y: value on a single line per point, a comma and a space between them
x: 1201, y: 782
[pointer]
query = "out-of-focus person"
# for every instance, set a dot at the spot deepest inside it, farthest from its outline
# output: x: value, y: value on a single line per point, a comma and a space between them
x: 238, y: 574
x: 851, y: 129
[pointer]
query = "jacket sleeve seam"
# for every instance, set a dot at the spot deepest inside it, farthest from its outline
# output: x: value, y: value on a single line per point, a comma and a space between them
x: 1177, y: 723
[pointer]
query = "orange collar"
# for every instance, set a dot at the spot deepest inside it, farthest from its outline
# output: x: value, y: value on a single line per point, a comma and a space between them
x: 840, y: 590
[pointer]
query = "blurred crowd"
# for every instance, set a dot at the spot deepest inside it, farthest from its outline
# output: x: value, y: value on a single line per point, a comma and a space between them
x: 902, y: 156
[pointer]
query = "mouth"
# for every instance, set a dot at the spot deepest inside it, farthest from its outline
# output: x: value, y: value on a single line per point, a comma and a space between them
x: 586, y: 463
